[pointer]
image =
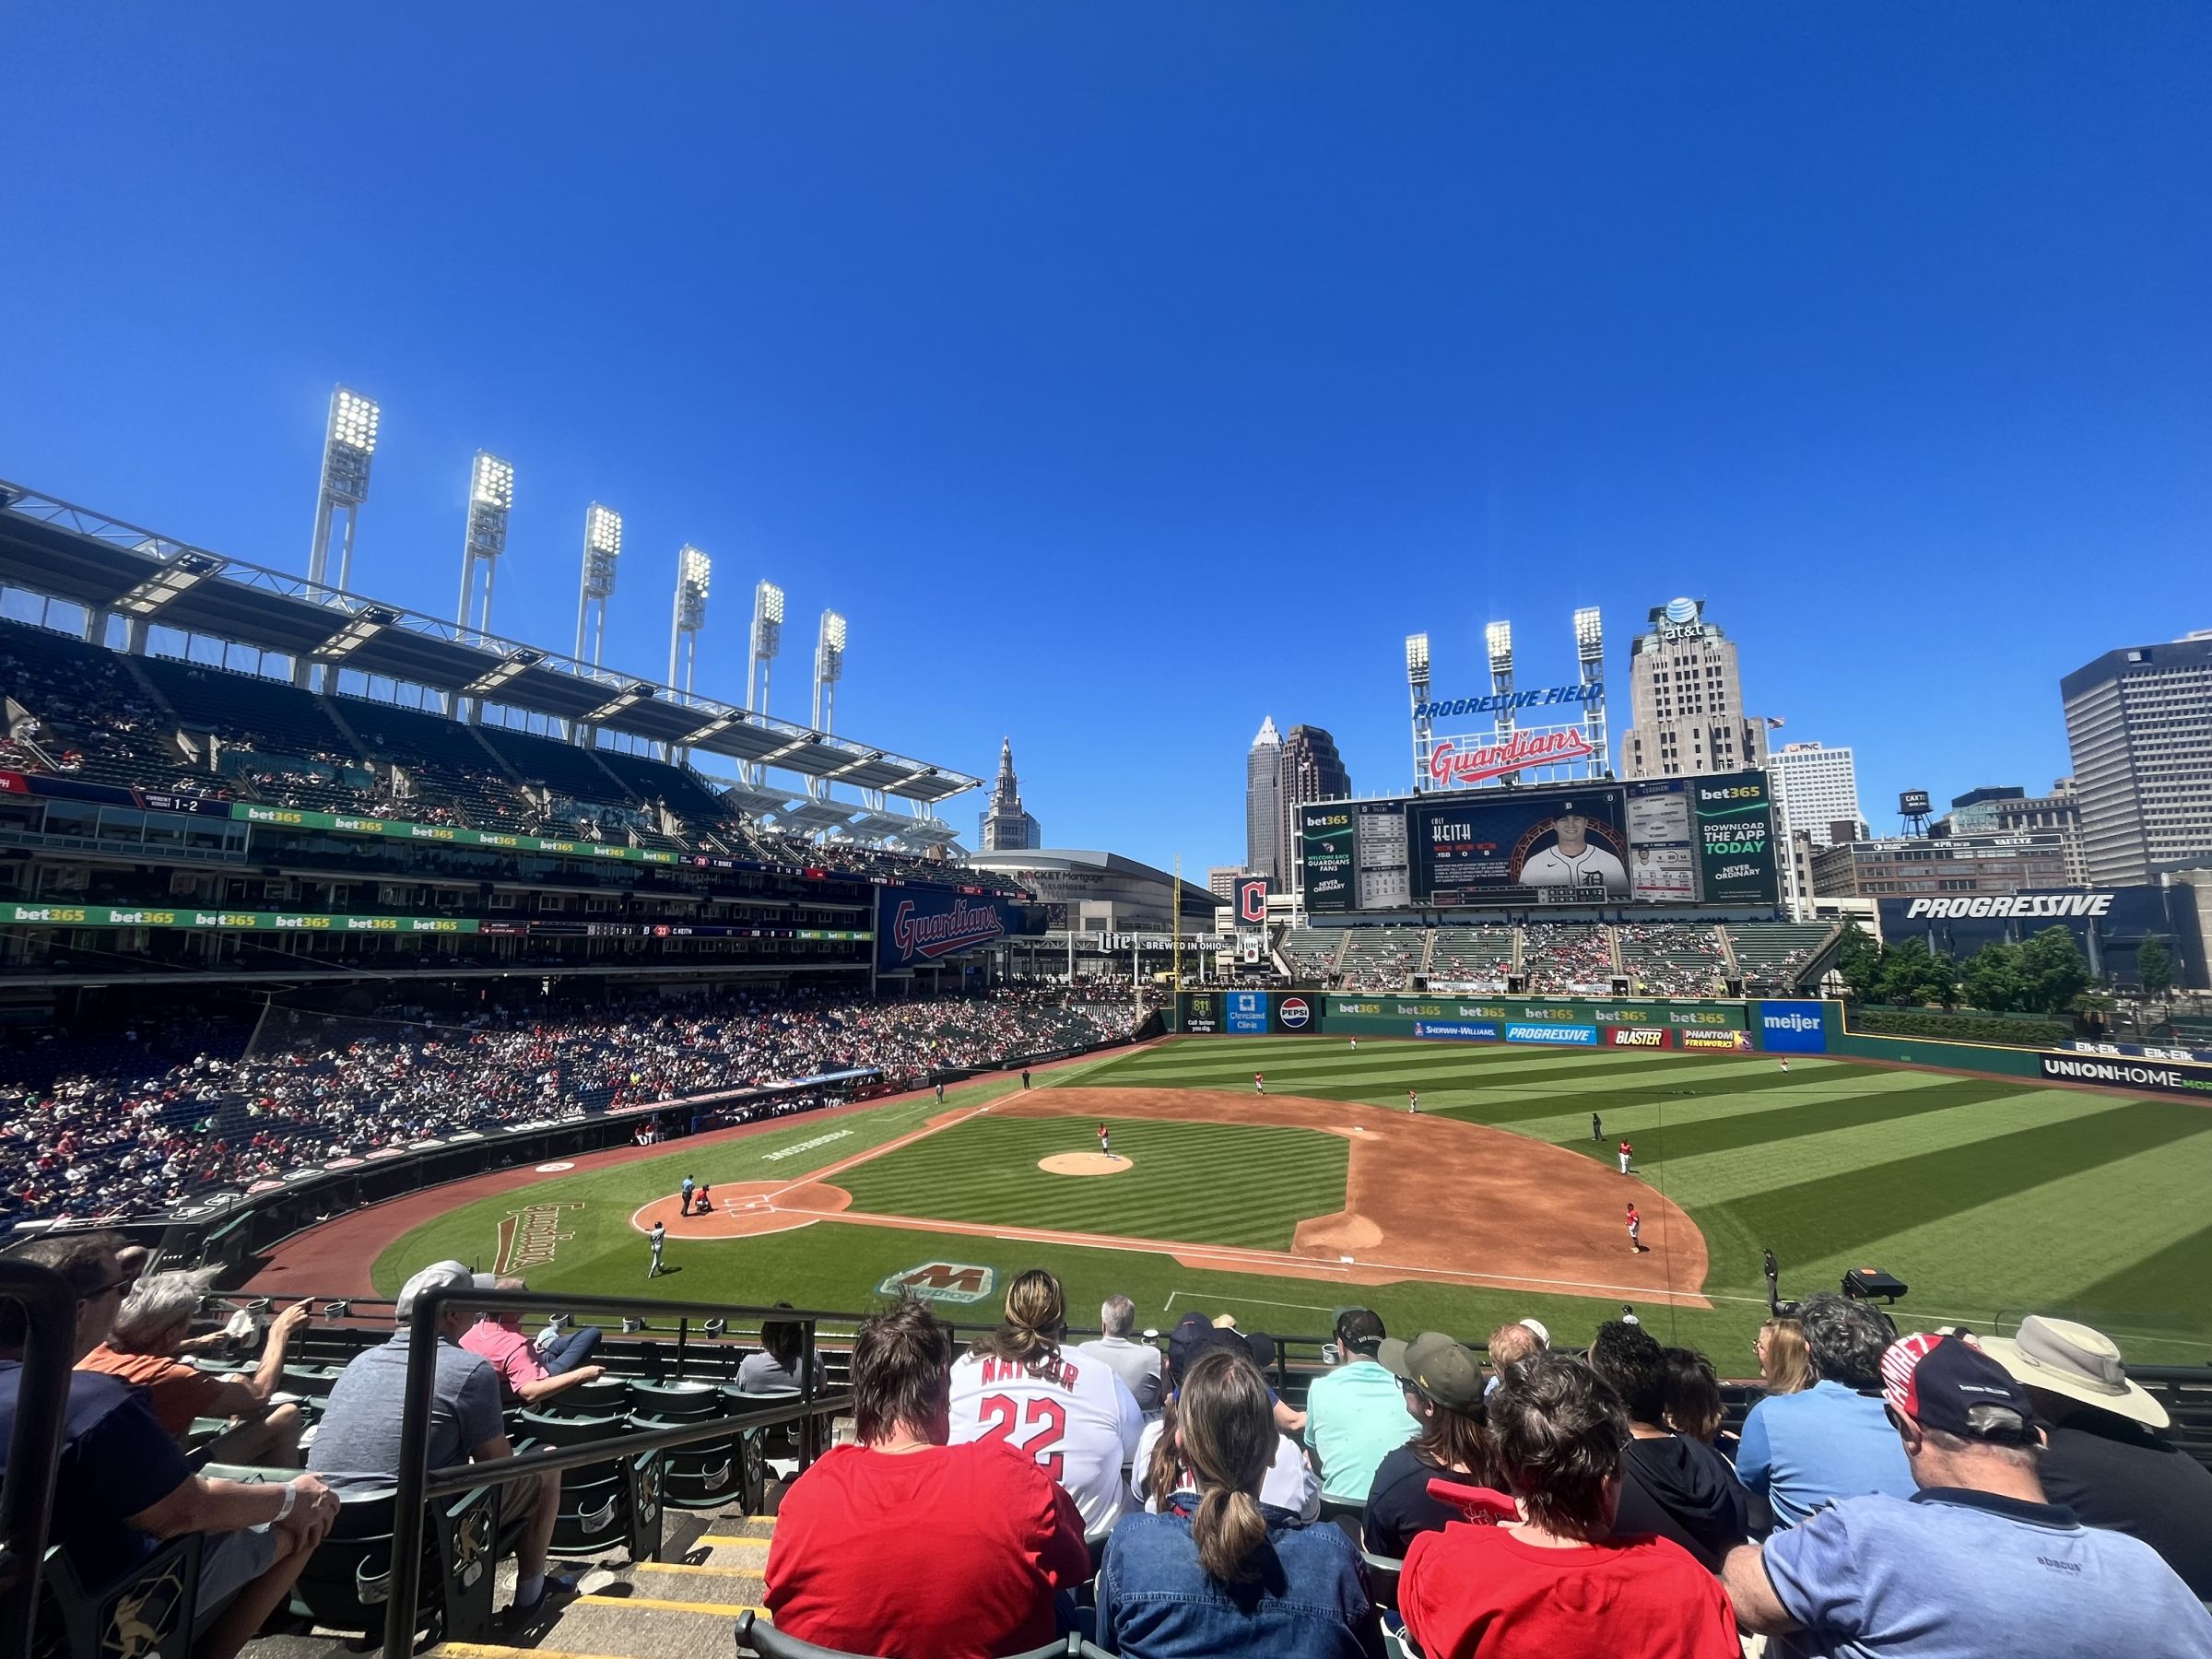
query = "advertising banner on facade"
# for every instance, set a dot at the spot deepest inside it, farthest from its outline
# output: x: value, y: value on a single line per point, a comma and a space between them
x: 1326, y: 839
x: 1734, y: 819
x: 1464, y: 1030
x: 1252, y: 901
x: 1201, y: 1013
x: 1734, y: 1041
x: 1793, y: 1027
x: 1577, y: 1023
x: 915, y: 925
x: 1293, y: 1013
x: 1649, y: 1036
x: 2109, y: 925
x: 2156, y: 1076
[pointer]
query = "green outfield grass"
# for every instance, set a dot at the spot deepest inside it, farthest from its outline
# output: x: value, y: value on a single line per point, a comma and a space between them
x: 1991, y: 1198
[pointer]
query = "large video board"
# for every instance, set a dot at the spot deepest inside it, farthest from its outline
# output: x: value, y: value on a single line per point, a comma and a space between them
x: 1607, y: 845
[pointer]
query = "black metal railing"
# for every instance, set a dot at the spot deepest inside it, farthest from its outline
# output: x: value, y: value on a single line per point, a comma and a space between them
x: 41, y: 1408
x: 418, y: 1482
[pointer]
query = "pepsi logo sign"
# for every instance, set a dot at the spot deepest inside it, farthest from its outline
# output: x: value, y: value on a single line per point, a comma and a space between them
x: 1295, y: 1012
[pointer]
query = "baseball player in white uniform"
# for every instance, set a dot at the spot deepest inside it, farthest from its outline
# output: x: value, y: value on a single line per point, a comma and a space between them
x: 659, y: 1236
x: 1065, y: 1408
x: 1573, y: 860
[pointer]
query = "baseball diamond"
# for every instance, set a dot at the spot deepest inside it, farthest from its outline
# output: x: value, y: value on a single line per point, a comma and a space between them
x: 1985, y: 1195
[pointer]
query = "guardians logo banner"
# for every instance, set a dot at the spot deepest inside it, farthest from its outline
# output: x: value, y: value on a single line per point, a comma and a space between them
x: 920, y: 925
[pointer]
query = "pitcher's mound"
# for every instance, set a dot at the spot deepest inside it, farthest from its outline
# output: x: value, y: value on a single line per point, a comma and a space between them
x: 1083, y: 1163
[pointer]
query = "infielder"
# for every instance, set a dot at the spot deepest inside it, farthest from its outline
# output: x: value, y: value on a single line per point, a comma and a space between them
x: 659, y: 1236
x: 1259, y: 1083
x: 1413, y: 1100
x: 1573, y: 860
x: 1105, y: 1142
x: 1635, y: 1232
x: 1627, y: 1156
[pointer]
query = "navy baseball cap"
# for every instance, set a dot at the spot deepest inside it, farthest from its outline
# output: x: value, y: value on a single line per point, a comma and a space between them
x: 1948, y: 1384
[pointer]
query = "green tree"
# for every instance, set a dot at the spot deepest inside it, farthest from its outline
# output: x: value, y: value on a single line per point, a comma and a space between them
x: 2055, y: 969
x: 2154, y: 968
x: 1911, y: 974
x: 1859, y: 962
x: 1992, y: 979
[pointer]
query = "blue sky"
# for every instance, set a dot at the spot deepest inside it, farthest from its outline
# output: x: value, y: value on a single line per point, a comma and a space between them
x: 1127, y: 373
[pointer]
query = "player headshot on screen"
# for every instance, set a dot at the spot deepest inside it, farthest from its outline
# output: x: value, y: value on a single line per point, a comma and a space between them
x: 1574, y: 860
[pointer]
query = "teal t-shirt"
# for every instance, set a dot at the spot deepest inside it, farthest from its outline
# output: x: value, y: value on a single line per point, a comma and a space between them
x: 1355, y: 1418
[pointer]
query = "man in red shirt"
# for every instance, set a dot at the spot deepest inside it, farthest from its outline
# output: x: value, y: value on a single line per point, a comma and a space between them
x: 906, y: 1545
x: 1558, y: 1583
x: 525, y: 1375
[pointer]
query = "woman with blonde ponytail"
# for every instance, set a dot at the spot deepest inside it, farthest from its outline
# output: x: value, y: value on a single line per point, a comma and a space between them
x: 1216, y: 1574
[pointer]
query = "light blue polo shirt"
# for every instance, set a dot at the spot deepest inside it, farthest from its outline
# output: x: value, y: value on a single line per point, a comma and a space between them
x: 1356, y: 1417
x: 1957, y: 1575
x: 1801, y: 1450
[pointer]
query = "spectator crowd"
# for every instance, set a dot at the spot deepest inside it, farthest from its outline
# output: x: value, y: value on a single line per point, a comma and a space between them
x: 132, y: 1136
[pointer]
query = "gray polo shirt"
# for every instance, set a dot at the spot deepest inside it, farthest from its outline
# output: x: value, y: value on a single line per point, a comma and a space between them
x: 1136, y: 1363
x: 360, y: 1433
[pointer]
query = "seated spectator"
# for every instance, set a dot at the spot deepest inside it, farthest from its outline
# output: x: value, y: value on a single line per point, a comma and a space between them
x: 121, y: 1487
x: 1801, y: 1450
x: 1674, y: 1486
x: 1558, y: 1584
x: 151, y: 1328
x: 357, y: 1441
x: 2103, y: 1457
x: 775, y: 1368
x: 1214, y: 1573
x: 1694, y: 1406
x: 907, y: 1544
x: 1784, y: 1365
x: 526, y: 1374
x: 1290, y: 1489
x: 1979, y: 1562
x: 1510, y: 1343
x: 1356, y: 1413
x: 1443, y: 1386
x: 1075, y: 1419
x: 1136, y: 1363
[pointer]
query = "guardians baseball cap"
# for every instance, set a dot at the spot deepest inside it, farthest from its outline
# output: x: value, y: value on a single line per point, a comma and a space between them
x: 441, y: 1276
x: 1448, y: 1372
x: 1947, y: 1383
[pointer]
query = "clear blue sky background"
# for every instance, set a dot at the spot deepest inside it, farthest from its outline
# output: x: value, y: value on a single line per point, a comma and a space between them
x: 1127, y: 373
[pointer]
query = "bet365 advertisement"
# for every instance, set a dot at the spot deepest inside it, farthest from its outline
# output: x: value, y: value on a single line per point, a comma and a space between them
x: 1734, y: 821
x: 1326, y: 836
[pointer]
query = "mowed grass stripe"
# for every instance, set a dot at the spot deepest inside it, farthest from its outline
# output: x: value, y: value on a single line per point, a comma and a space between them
x: 1267, y: 1179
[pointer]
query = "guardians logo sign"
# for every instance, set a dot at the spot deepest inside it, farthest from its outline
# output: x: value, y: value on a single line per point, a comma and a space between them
x: 920, y: 926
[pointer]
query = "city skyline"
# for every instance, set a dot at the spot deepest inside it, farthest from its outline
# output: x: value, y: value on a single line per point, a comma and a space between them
x: 1888, y: 347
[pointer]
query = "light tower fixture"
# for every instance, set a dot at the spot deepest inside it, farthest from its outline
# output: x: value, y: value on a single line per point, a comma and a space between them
x: 829, y: 668
x: 1498, y: 637
x: 491, y: 498
x: 602, y: 549
x: 1590, y: 652
x: 348, y: 445
x: 767, y: 640
x: 693, y: 569
x: 1417, y: 683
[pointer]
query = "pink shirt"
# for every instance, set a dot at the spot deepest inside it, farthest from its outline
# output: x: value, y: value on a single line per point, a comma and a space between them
x: 509, y: 1351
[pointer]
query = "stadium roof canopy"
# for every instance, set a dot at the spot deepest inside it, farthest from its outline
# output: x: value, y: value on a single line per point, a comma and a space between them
x: 1043, y: 862
x: 70, y: 553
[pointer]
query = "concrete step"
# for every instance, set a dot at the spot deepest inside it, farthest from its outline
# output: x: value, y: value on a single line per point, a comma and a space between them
x: 642, y: 1627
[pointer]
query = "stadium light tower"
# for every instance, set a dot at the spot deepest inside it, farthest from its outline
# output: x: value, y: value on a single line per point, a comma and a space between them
x: 1499, y: 636
x: 348, y: 443
x: 491, y: 498
x: 1417, y: 683
x: 829, y: 668
x: 692, y: 570
x: 602, y: 548
x: 768, y: 639
x: 1590, y: 651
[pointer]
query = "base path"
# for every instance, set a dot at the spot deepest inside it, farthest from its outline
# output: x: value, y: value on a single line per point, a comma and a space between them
x: 1433, y: 1197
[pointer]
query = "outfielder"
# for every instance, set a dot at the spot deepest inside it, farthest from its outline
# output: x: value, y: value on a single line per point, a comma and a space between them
x: 1259, y: 1083
x: 1627, y: 1156
x: 1413, y: 1100
x: 1785, y: 1066
x: 1597, y: 1127
x: 1355, y: 1045
x: 659, y: 1236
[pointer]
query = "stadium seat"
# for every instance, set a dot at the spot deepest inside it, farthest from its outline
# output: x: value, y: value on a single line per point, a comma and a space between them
x: 150, y: 1610
x: 1382, y: 1576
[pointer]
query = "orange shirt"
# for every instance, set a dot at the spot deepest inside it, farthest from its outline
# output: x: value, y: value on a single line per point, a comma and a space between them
x: 177, y: 1391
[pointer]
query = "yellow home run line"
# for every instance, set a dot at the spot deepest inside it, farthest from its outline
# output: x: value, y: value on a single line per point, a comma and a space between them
x: 735, y: 1543
x: 693, y: 1567
x: 714, y: 1609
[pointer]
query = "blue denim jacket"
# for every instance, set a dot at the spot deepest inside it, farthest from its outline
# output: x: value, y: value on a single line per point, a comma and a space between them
x: 1310, y: 1601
